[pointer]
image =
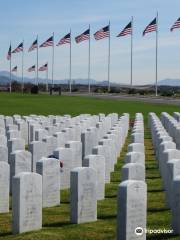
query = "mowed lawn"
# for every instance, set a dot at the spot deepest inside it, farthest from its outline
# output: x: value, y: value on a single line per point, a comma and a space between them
x: 56, y: 221
x: 25, y: 104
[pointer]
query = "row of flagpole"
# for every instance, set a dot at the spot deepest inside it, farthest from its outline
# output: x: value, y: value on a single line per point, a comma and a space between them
x: 102, y: 33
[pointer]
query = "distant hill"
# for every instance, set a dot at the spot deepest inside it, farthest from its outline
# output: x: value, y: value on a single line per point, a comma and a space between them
x: 4, y: 79
x: 169, y: 82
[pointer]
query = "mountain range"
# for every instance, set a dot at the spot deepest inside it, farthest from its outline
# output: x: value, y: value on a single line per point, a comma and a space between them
x: 4, y: 79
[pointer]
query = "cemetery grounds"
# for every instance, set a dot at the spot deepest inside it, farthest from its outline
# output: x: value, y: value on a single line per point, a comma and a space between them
x: 56, y: 220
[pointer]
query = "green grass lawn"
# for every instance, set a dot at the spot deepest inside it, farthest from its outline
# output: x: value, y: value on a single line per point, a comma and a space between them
x: 45, y: 104
x: 56, y: 221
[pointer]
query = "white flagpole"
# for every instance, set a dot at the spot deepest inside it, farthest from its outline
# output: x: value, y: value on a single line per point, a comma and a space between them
x: 23, y: 68
x: 109, y: 59
x: 70, y: 64
x: 89, y: 63
x: 47, y: 79
x: 132, y: 27
x: 156, y: 54
x: 35, y: 74
x: 53, y: 62
x: 10, y: 71
x: 37, y: 62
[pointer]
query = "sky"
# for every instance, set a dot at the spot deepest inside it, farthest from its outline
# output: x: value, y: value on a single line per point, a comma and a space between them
x: 23, y: 20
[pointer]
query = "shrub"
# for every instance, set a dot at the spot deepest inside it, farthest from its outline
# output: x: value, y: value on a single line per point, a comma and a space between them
x: 35, y: 89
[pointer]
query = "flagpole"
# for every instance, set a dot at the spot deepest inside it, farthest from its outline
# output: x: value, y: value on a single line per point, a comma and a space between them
x: 132, y: 27
x: 37, y: 63
x: 109, y: 54
x: 35, y: 74
x: 156, y: 54
x: 89, y: 63
x: 70, y: 63
x: 47, y: 79
x: 23, y: 68
x: 10, y: 71
x: 53, y: 63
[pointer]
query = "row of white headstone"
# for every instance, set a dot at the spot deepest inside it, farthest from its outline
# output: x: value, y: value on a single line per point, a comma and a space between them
x: 87, y: 185
x: 168, y: 158
x: 172, y: 126
x: 132, y: 192
x: 90, y: 144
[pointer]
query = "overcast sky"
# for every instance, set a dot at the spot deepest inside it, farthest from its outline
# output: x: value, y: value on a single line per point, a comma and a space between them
x: 22, y: 19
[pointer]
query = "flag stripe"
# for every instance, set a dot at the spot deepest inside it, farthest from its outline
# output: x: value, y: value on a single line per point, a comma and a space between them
x: 102, y: 33
x: 65, y: 40
x: 18, y: 49
x: 176, y: 25
x: 33, y: 46
x: 126, y: 31
x: 48, y: 43
x: 151, y: 27
x: 44, y: 67
x: 83, y: 37
x: 32, y: 69
x: 9, y: 53
x: 14, y: 69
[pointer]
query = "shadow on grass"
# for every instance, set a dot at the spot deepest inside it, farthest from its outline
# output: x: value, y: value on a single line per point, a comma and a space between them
x: 155, y: 190
x: 153, y: 178
x: 107, y: 216
x: 153, y: 210
x: 160, y: 236
x: 150, y: 168
x: 57, y: 224
x: 5, y: 234
x: 111, y: 196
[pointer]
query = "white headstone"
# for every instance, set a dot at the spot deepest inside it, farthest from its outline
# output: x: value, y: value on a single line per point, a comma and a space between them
x: 38, y: 150
x: 133, y: 171
x: 49, y: 169
x: 132, y: 210
x: 97, y: 162
x: 26, y: 202
x: 4, y: 187
x: 83, y: 195
x: 3, y: 153
x: 135, y: 157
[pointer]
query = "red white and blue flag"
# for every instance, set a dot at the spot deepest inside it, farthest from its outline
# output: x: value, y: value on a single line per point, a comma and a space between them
x: 65, y: 40
x: 14, y: 69
x: 33, y: 46
x: 83, y: 37
x: 176, y: 25
x: 152, y: 27
x: 44, y: 67
x: 32, y: 69
x: 102, y: 33
x: 9, y: 53
x: 19, y: 48
x: 126, y: 31
x: 48, y: 43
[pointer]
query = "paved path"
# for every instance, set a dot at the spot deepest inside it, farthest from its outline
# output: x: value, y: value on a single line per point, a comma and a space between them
x: 148, y: 99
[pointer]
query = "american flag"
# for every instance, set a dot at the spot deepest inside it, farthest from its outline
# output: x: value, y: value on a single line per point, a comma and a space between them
x: 152, y: 27
x: 176, y: 25
x: 126, y: 31
x: 83, y: 37
x: 18, y: 49
x: 9, y: 53
x: 14, y: 69
x: 65, y: 40
x: 102, y: 33
x: 33, y: 46
x: 48, y: 43
x: 44, y: 67
x: 32, y: 69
